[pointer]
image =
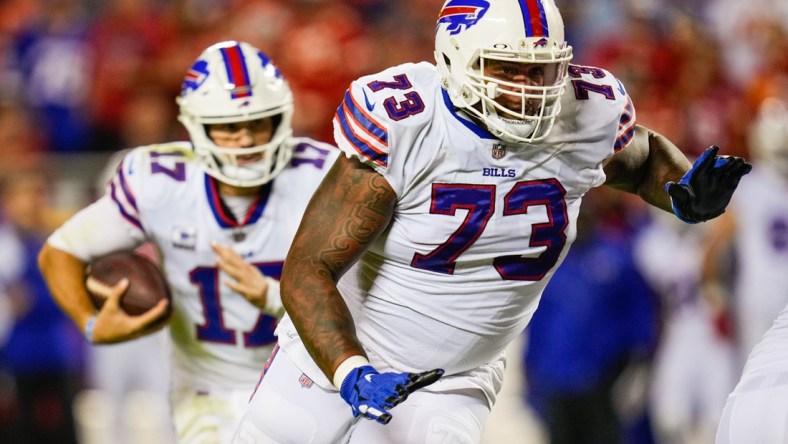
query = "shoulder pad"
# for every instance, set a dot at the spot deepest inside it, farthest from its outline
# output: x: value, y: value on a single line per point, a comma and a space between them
x: 146, y: 172
x: 307, y: 151
x: 589, y: 84
x: 375, y: 106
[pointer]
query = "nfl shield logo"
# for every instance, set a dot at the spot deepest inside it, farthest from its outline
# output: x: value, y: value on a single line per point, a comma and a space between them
x: 305, y: 381
x: 498, y: 151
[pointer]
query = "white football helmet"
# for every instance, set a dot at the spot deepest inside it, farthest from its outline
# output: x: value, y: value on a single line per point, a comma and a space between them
x: 769, y: 135
x: 470, y: 33
x: 234, y: 82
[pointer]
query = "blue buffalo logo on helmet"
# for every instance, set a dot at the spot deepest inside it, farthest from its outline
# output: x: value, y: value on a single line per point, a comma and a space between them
x: 265, y: 61
x: 195, y: 76
x: 462, y: 14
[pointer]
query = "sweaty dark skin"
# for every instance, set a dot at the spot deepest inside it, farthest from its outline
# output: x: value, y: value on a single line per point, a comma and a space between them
x: 364, y: 202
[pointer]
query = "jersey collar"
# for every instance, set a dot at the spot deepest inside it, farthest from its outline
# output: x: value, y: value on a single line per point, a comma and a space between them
x: 470, y: 124
x: 224, y: 217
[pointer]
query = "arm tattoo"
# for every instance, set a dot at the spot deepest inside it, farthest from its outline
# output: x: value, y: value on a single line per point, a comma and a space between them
x: 347, y: 213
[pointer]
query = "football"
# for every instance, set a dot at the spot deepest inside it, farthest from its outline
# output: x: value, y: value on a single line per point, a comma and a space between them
x: 147, y: 285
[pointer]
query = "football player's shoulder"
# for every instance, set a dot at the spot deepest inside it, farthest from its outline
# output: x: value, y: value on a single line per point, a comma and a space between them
x: 152, y: 160
x: 400, y: 95
x: 153, y: 172
x: 395, y: 104
x: 595, y: 99
x: 590, y: 84
x: 310, y: 156
x: 416, y: 75
x: 308, y: 165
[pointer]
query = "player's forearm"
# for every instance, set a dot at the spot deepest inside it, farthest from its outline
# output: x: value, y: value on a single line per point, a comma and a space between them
x: 65, y: 277
x: 665, y: 163
x: 644, y: 167
x: 320, y: 315
x: 347, y: 213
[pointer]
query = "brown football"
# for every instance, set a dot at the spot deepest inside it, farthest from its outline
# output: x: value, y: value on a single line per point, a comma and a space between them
x: 147, y: 285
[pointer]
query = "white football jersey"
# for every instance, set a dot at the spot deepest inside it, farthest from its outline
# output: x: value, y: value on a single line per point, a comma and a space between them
x: 756, y: 410
x: 761, y: 240
x: 220, y: 339
x: 770, y: 355
x: 479, y: 224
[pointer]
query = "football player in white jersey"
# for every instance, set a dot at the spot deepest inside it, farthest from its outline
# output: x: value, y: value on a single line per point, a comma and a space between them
x: 757, y: 409
x: 427, y: 247
x: 693, y: 368
x: 222, y: 211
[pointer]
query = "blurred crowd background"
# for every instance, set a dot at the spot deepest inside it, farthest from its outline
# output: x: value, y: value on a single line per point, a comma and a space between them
x: 81, y: 80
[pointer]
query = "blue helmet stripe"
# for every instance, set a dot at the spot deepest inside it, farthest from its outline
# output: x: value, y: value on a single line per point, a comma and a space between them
x: 534, y: 18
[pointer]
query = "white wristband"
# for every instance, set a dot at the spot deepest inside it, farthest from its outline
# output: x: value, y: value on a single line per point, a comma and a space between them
x: 89, y: 328
x: 273, y: 299
x: 346, y: 367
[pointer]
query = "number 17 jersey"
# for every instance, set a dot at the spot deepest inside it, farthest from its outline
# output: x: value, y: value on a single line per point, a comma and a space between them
x: 219, y: 338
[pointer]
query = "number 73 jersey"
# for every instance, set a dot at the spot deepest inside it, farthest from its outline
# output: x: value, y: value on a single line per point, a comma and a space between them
x: 479, y: 225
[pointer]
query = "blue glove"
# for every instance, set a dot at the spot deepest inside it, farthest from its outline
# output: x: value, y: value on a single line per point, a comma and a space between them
x: 705, y: 190
x: 370, y: 394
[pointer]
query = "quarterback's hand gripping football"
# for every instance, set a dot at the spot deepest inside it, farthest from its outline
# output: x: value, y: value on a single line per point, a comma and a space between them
x: 370, y: 394
x: 111, y: 324
x: 705, y: 190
